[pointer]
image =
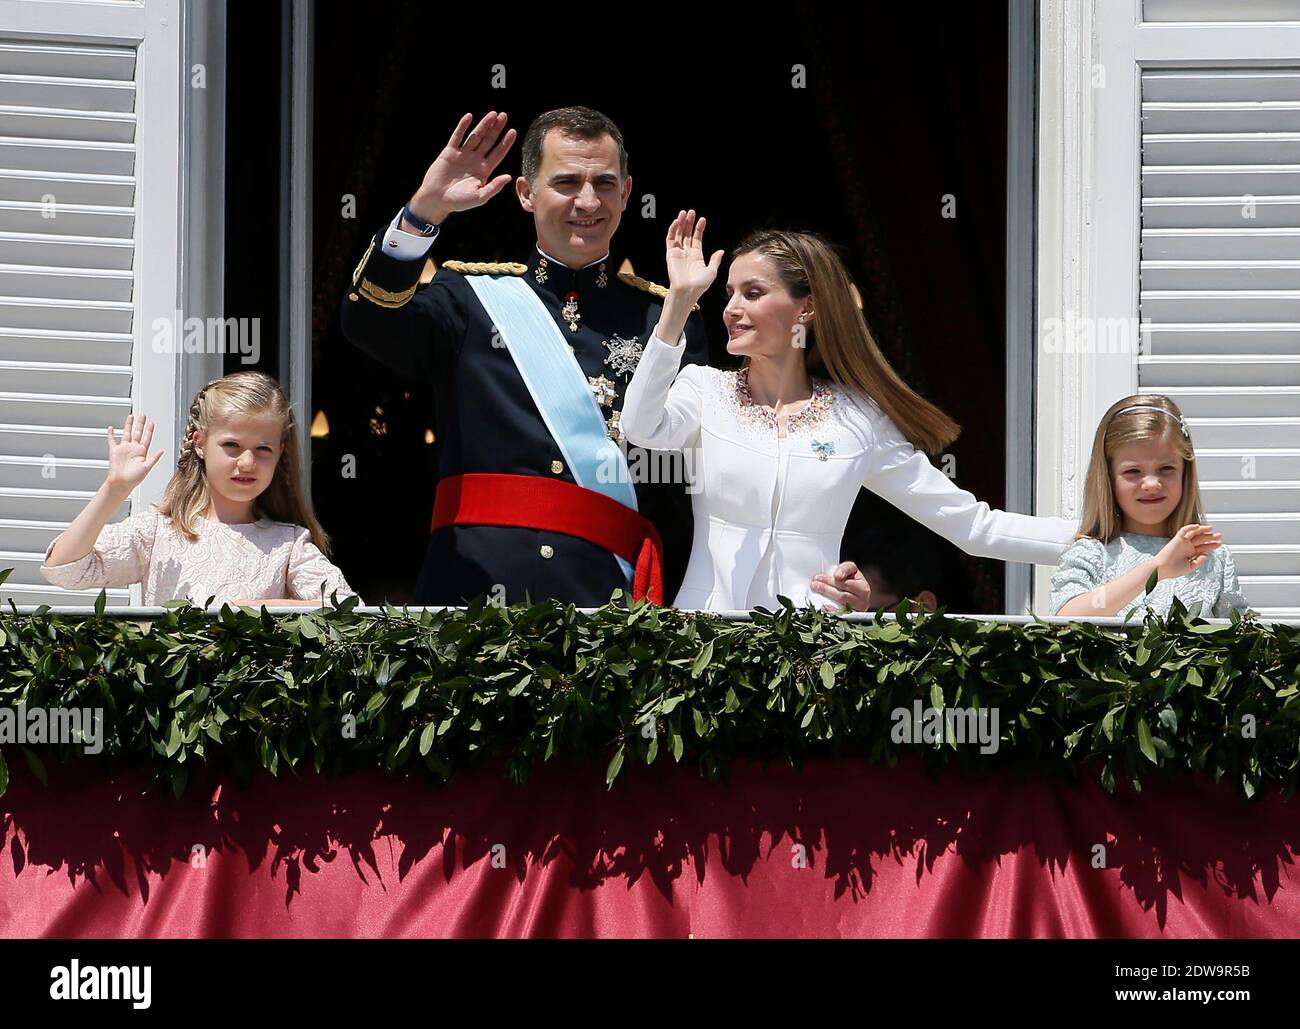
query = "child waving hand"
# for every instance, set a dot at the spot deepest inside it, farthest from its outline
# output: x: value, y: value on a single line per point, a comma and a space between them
x: 234, y: 523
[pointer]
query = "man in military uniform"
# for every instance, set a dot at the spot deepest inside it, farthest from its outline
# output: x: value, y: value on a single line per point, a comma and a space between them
x: 527, y: 507
x: 502, y: 525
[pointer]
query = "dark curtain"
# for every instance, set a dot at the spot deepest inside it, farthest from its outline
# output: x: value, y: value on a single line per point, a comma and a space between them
x: 893, y: 115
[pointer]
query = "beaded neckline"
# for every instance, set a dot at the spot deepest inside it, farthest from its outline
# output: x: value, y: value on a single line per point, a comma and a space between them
x: 758, y: 418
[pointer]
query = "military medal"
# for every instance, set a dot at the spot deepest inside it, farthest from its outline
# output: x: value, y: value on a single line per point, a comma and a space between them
x: 540, y: 274
x: 623, y: 354
x: 603, y: 390
x: 601, y: 280
x: 615, y: 430
x: 570, y: 312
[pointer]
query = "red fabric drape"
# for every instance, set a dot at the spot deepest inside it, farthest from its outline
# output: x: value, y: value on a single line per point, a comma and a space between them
x: 888, y: 853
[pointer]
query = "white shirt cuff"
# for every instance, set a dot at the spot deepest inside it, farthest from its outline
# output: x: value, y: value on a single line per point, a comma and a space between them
x: 406, y: 246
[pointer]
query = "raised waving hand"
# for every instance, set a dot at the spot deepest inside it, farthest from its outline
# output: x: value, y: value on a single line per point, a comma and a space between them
x: 688, y: 271
x: 460, y: 177
x: 129, y: 461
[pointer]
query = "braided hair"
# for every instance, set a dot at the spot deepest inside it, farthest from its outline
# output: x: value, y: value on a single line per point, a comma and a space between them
x: 193, y: 423
x: 188, y: 496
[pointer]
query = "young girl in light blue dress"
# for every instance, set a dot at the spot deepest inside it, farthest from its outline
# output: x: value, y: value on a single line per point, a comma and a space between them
x: 1142, y: 513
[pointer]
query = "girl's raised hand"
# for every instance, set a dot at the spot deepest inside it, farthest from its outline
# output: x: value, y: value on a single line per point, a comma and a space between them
x: 1188, y: 549
x: 688, y: 271
x: 128, y: 461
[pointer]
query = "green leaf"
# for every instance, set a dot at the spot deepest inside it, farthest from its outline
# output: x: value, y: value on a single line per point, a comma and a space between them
x: 828, y: 675
x: 1152, y: 579
x: 426, y: 738
x: 100, y: 602
x: 1169, y: 719
x: 611, y: 773
x: 702, y: 660
x: 1145, y: 743
x: 174, y: 738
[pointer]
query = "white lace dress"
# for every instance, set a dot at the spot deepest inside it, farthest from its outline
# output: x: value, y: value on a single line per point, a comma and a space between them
x: 770, y: 509
x: 254, y: 561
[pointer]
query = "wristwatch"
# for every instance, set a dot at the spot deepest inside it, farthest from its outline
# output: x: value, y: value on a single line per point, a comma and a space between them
x: 422, y: 227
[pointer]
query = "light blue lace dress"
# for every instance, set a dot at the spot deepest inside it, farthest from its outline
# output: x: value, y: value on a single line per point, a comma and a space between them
x: 1088, y: 563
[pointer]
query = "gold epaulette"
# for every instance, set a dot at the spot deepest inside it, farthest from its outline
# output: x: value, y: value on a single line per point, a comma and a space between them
x: 646, y: 286
x: 376, y: 294
x: 485, y: 267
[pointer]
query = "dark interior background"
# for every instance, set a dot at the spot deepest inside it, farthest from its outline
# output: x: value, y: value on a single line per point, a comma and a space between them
x: 901, y: 106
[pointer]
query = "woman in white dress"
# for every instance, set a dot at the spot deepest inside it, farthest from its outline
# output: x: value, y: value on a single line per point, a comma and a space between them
x: 778, y: 449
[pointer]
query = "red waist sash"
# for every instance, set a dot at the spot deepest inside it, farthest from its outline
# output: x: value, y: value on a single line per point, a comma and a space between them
x: 552, y: 505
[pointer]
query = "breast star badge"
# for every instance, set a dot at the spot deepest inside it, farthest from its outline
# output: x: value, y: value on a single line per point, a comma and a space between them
x: 623, y: 354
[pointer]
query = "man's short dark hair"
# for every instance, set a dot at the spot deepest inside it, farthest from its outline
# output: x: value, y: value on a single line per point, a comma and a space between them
x: 582, y: 122
x: 909, y: 557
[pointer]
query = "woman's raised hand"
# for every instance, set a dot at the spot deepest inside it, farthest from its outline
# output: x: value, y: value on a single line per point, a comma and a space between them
x: 688, y: 272
x: 460, y: 176
x: 129, y: 461
x: 1188, y: 549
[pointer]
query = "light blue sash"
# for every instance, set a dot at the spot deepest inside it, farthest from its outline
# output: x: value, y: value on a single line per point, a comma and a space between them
x: 557, y: 385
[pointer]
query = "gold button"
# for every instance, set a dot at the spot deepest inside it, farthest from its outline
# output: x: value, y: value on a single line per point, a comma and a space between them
x: 557, y: 467
x: 353, y: 296
x: 547, y: 550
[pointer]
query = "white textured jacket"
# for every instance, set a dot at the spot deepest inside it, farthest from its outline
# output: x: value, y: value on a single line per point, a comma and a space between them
x: 770, y: 511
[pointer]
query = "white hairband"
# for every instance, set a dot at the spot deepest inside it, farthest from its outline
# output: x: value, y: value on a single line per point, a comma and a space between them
x: 1151, y: 407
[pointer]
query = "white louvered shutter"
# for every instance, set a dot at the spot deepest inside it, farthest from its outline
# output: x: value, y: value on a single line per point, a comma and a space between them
x: 1220, y: 286
x: 67, y: 223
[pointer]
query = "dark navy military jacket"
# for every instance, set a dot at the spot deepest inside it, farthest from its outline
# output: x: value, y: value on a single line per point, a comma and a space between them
x: 486, y: 421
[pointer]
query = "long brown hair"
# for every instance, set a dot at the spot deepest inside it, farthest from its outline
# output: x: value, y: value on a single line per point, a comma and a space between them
x: 1102, y: 518
x: 840, y: 346
x: 244, y: 393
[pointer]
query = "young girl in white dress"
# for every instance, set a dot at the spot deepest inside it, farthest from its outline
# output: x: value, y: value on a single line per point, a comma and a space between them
x: 778, y: 449
x: 1141, y: 514
x: 234, y: 523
